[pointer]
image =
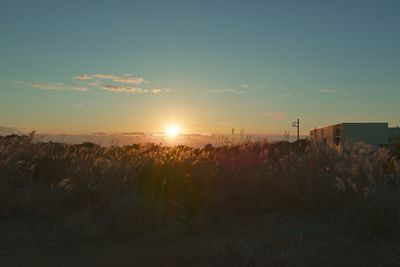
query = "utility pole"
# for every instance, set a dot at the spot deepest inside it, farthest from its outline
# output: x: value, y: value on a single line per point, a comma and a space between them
x: 297, y: 125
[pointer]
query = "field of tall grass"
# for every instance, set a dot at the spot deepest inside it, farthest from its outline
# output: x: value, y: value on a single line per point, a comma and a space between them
x: 74, y: 193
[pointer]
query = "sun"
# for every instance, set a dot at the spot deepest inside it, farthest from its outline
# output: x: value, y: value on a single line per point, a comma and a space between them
x: 172, y: 131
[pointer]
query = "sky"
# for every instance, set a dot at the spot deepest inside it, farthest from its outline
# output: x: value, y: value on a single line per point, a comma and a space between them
x: 206, y: 66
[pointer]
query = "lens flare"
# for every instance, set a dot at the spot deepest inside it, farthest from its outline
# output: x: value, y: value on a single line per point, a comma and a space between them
x: 172, y: 131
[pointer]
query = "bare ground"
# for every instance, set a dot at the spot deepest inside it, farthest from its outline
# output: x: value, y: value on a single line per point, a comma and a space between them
x: 271, y: 241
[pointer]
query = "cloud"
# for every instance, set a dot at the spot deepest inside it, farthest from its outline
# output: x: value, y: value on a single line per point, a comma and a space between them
x: 224, y: 91
x: 79, y: 88
x: 285, y: 95
x: 245, y: 86
x: 47, y: 86
x: 328, y: 91
x: 128, y: 89
x: 115, y: 88
x: 133, y: 90
x: 155, y: 90
x: 95, y: 84
x: 22, y: 84
x: 276, y: 116
x: 83, y: 77
x: 268, y: 85
x: 110, y: 82
x: 124, y: 79
x: 129, y: 80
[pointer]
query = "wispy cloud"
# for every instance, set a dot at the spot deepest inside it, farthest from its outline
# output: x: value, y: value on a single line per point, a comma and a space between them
x: 22, y: 84
x: 115, y: 88
x: 121, y: 83
x: 109, y: 82
x: 48, y: 86
x: 224, y: 91
x: 285, y: 95
x: 268, y: 85
x: 276, y: 116
x: 83, y: 77
x: 133, y: 90
x: 79, y: 88
x: 244, y: 88
x: 153, y: 91
x: 125, y: 79
x: 95, y: 84
x: 328, y: 91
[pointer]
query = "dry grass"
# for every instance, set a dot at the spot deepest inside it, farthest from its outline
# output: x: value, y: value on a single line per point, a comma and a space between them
x: 86, y: 192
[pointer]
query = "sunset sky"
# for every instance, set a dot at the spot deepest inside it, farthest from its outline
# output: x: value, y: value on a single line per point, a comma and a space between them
x: 207, y: 66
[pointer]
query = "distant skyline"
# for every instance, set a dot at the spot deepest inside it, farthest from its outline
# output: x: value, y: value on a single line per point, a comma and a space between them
x: 206, y: 66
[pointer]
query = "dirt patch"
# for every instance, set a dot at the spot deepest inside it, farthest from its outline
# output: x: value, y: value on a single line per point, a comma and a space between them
x: 270, y: 241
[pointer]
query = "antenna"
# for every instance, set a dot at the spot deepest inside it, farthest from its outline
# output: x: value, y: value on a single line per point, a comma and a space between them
x: 297, y: 125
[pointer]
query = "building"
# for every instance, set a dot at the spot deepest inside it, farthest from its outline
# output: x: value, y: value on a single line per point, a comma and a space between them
x: 339, y: 135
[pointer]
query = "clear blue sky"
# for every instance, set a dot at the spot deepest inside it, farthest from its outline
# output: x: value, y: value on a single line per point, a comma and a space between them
x: 78, y: 66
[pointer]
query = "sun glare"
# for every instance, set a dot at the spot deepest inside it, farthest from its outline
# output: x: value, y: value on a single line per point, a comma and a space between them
x: 172, y: 131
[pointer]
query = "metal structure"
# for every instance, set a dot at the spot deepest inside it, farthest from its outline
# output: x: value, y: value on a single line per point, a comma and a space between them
x: 297, y: 125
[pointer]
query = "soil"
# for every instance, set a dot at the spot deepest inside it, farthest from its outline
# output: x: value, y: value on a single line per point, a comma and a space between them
x: 270, y: 241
